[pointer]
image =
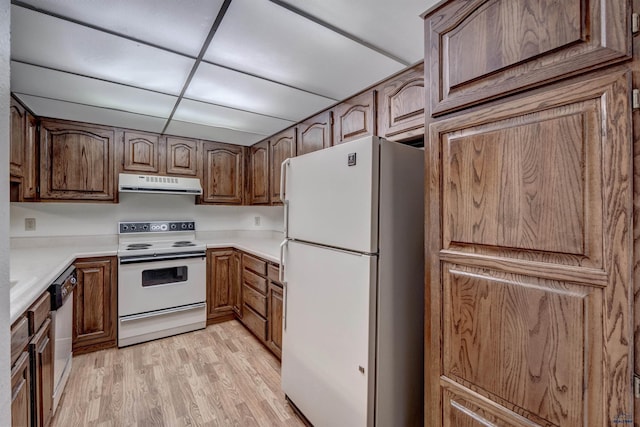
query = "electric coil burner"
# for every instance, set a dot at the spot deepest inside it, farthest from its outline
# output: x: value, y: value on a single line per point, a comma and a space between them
x: 161, y: 280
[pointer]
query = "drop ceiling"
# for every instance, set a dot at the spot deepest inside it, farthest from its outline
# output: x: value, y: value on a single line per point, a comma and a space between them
x: 226, y: 70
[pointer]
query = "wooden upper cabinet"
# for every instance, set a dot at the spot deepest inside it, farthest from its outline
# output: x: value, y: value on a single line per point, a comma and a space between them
x: 281, y: 147
x: 401, y: 105
x: 141, y: 152
x: 355, y: 118
x: 76, y: 161
x: 479, y: 50
x: 182, y: 155
x: 530, y: 257
x: 314, y: 134
x: 30, y: 167
x: 18, y: 133
x: 259, y: 173
x: 223, y: 174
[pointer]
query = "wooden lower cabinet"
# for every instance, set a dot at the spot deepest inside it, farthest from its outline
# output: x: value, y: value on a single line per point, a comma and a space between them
x: 41, y: 349
x: 20, y: 392
x: 222, y: 283
x: 236, y: 283
x: 275, y: 308
x: 95, y: 304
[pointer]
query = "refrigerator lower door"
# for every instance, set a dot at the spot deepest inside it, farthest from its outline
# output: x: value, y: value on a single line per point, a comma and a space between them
x: 328, y: 349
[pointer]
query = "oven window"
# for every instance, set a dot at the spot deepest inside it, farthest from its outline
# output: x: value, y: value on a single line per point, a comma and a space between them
x: 162, y: 276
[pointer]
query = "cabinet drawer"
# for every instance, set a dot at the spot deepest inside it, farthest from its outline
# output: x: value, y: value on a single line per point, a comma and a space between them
x: 19, y: 338
x: 255, y: 264
x: 256, y: 323
x: 260, y: 283
x: 274, y: 272
x: 39, y: 312
x: 255, y: 300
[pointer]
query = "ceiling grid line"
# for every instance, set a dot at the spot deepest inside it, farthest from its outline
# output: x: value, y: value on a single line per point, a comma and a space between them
x: 203, y: 50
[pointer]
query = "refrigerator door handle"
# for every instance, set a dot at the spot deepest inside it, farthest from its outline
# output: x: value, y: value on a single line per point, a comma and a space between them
x: 281, y: 265
x: 285, y: 287
x: 283, y: 172
x: 281, y: 279
x: 286, y: 219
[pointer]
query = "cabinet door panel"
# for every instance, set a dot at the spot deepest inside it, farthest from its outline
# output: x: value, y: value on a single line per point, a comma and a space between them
x: 401, y: 106
x: 481, y: 49
x: 182, y: 156
x: 76, y: 162
x: 95, y: 304
x: 355, y: 118
x: 41, y: 349
x: 529, y: 258
x: 236, y: 283
x: 314, y: 134
x: 141, y: 152
x: 18, y: 120
x: 275, y: 313
x: 281, y: 147
x: 259, y: 173
x: 223, y: 173
x: 21, y: 392
x: 30, y: 168
x: 220, y: 283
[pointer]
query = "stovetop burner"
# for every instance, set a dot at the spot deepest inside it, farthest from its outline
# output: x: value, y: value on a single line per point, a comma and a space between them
x: 183, y: 243
x: 138, y: 246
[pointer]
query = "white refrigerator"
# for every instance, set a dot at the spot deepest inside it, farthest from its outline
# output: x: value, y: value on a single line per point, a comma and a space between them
x: 353, y: 276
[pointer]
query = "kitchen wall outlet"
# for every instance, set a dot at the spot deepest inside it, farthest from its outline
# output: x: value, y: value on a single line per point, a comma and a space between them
x: 256, y: 220
x: 29, y: 224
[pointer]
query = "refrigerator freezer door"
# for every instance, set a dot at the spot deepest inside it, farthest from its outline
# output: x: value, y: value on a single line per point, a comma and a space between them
x: 328, y: 344
x: 333, y: 196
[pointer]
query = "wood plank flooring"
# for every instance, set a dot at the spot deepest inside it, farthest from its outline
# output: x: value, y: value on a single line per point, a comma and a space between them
x: 219, y: 376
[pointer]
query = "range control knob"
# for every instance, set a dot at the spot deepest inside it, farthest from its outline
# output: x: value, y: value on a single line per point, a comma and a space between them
x: 173, y: 226
x: 184, y: 226
x: 125, y: 227
x: 144, y: 227
x: 133, y: 227
x: 190, y: 226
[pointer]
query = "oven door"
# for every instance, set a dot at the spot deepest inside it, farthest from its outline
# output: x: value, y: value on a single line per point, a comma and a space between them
x: 148, y: 284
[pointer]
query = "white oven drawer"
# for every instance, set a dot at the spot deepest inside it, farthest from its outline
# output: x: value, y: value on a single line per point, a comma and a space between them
x: 156, y: 285
x: 162, y: 323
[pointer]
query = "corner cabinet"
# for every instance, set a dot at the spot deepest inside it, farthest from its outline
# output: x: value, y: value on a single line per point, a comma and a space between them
x: 223, y: 174
x: 281, y: 147
x: 95, y: 304
x: 76, y: 161
x: 259, y: 174
x: 223, y: 284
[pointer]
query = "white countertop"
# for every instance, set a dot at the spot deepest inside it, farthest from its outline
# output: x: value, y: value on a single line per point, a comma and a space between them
x: 36, y: 262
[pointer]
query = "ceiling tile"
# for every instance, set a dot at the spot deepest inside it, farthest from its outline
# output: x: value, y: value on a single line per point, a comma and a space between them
x: 40, y: 39
x: 44, y: 107
x: 222, y: 86
x: 262, y: 38
x: 43, y: 82
x: 394, y: 26
x: 181, y: 26
x: 212, y: 133
x: 214, y: 115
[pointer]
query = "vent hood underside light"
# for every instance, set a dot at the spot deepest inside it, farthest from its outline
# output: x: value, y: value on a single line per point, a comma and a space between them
x: 134, y: 183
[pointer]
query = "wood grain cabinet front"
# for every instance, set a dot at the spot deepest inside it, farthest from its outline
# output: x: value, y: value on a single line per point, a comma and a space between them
x: 480, y: 50
x: 182, y: 156
x: 315, y: 133
x: 141, y: 152
x: 259, y: 174
x: 41, y: 349
x: 21, y: 392
x: 18, y: 117
x: 221, y: 283
x: 223, y: 174
x: 355, y: 118
x: 281, y: 147
x: 76, y: 161
x: 275, y: 318
x: 95, y: 304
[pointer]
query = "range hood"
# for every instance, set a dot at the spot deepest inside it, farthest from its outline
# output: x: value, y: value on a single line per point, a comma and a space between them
x: 134, y: 183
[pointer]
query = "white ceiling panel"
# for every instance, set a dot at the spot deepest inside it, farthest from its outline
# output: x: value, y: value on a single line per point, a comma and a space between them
x: 265, y: 39
x: 44, y: 107
x: 231, y: 88
x: 394, y: 26
x: 43, y: 40
x: 43, y: 82
x: 211, y: 133
x: 181, y: 26
x: 214, y: 115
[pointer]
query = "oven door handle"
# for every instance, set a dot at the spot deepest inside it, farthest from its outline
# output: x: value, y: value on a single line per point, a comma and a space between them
x: 140, y: 316
x: 161, y: 257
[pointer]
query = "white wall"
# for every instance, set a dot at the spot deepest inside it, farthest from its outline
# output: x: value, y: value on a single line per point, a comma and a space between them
x: 60, y: 219
x: 5, y: 358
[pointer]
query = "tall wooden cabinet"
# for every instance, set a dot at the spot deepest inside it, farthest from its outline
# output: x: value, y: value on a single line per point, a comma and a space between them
x: 76, y: 161
x: 529, y: 215
x: 95, y: 302
x: 223, y: 174
x: 281, y: 147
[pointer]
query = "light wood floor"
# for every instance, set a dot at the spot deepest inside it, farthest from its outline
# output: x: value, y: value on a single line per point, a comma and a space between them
x: 219, y: 376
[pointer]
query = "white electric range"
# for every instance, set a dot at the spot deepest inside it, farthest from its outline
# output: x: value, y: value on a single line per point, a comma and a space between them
x: 161, y: 280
